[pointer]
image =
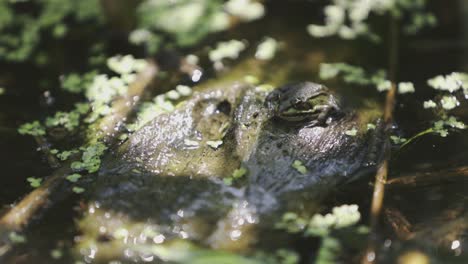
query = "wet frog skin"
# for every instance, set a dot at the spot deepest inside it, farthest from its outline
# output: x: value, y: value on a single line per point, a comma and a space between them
x: 166, y: 181
x: 307, y: 101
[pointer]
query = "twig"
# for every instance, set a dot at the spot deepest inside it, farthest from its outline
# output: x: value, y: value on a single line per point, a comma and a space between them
x: 382, y: 169
x: 21, y: 214
x: 44, y: 147
x: 429, y: 178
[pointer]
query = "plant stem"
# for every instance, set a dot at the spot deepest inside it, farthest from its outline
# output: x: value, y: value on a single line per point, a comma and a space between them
x: 382, y: 169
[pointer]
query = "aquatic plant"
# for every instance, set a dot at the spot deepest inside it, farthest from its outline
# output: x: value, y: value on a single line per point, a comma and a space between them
x: 22, y: 31
x: 358, y: 13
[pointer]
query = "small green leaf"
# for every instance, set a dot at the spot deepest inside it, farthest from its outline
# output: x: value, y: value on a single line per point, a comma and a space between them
x: 352, y: 132
x: 214, y: 143
x: 78, y: 190
x: 227, y: 181
x: 73, y: 177
x: 34, y: 182
x: 238, y: 173
x: 16, y: 238
x: 34, y: 129
x: 56, y: 253
x: 297, y: 164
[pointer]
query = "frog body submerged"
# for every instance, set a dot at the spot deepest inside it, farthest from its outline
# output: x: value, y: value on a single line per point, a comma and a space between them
x: 167, y: 179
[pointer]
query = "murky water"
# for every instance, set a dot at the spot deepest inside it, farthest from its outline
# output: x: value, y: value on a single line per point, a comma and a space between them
x: 435, y: 213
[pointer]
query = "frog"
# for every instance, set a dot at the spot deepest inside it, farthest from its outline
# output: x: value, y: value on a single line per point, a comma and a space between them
x: 166, y: 182
x: 304, y: 101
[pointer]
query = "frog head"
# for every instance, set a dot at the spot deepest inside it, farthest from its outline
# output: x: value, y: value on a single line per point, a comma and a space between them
x: 305, y: 101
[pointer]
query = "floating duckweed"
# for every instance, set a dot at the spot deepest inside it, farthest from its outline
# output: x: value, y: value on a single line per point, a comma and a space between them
x: 340, y: 12
x: 183, y: 90
x: 384, y: 86
x: 267, y: 49
x: 70, y: 120
x: 239, y: 173
x: 439, y: 128
x: 148, y: 111
x: 192, y: 59
x: 449, y: 102
x: 321, y: 225
x: 121, y: 233
x: 172, y: 95
x: 398, y: 140
x: 264, y: 88
x: 346, y: 215
x: 64, y: 155
x: 429, y: 104
x: 292, y: 223
x: 75, y: 83
x: 214, y: 143
x: 228, y: 181
x: 125, y: 64
x: 33, y: 128
x: 123, y: 136
x: 229, y: 49
x: 451, y: 83
x: 370, y: 126
x: 354, y: 75
x: 251, y: 79
x: 352, y: 132
x: 56, y: 253
x: 328, y: 71
x: 91, y: 158
x: 452, y: 122
x: 191, y: 143
x: 34, y: 182
x: 299, y: 166
x: 140, y: 36
x: 245, y: 9
x: 340, y: 217
x: 16, y: 238
x: 78, y: 190
x: 101, y: 91
x: 286, y: 256
x: 73, y: 177
x: 405, y: 87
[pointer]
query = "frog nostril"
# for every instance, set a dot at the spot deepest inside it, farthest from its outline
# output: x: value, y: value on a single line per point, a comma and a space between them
x: 224, y: 107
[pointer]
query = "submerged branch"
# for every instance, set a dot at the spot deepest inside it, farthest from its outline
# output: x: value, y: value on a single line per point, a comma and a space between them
x: 44, y: 147
x: 370, y: 255
x: 22, y: 213
x: 429, y: 178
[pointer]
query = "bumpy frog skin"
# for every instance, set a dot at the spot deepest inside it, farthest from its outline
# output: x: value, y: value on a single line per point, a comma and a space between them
x: 166, y: 181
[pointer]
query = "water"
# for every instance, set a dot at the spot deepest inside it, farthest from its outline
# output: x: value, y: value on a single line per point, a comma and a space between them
x: 425, y: 208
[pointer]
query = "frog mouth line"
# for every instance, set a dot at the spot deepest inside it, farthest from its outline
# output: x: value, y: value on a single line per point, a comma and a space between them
x: 298, y: 117
x: 301, y: 113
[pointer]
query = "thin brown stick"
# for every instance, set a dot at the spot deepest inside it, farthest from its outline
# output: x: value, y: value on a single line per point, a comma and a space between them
x: 429, y: 178
x: 382, y: 169
x: 44, y: 147
x: 21, y: 214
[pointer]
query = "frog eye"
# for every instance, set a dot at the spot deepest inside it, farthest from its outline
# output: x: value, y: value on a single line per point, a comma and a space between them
x: 302, y: 105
